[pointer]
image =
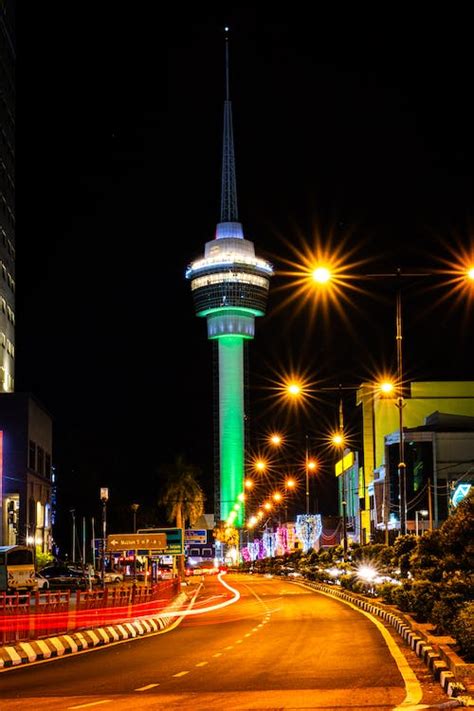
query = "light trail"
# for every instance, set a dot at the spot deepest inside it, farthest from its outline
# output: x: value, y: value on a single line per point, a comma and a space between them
x: 57, y: 623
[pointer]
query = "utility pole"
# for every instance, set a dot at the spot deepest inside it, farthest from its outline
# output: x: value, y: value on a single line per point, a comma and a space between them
x: 104, y: 495
x: 402, y: 469
x: 430, y: 505
x: 73, y: 549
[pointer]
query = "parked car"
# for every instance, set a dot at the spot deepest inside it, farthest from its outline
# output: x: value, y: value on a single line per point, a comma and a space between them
x: 65, y: 577
x: 42, y: 583
x: 112, y: 576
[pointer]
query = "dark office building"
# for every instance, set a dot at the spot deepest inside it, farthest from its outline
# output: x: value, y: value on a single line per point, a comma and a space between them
x: 7, y: 198
x: 25, y: 471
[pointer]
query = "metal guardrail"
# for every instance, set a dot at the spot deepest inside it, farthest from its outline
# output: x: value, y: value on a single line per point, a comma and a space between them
x: 30, y: 616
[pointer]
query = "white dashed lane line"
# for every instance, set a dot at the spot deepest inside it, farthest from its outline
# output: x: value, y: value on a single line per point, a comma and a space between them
x: 202, y: 664
x: 181, y: 673
x: 217, y: 654
x: 145, y: 688
x: 92, y: 703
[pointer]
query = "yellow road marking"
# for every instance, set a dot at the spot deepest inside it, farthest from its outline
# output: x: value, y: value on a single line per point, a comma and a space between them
x: 202, y: 664
x: 218, y: 654
x: 413, y: 691
x: 181, y: 673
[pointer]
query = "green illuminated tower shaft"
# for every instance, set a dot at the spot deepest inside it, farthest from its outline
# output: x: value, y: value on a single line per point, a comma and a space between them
x: 230, y: 288
x: 231, y: 423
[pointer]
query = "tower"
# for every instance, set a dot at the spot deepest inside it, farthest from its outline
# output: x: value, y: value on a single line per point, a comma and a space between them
x: 230, y: 285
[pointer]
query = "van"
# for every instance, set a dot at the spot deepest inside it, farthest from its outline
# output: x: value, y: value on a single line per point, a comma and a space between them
x: 17, y: 569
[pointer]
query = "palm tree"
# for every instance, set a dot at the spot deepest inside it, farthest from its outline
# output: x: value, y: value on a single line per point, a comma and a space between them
x: 183, y: 497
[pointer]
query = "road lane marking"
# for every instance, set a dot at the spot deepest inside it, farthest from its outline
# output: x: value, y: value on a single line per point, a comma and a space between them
x: 145, y: 688
x: 93, y: 703
x: 254, y: 629
x: 249, y: 634
x: 217, y: 654
x: 239, y: 641
x: 413, y: 691
x: 202, y: 664
x: 181, y: 673
x: 229, y: 647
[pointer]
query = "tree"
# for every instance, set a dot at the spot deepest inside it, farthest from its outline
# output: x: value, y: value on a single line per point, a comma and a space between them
x: 458, y: 537
x: 182, y: 497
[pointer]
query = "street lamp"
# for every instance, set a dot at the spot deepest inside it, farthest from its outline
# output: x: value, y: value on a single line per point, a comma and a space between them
x: 422, y: 512
x: 104, y: 496
x: 73, y: 548
x: 135, y: 508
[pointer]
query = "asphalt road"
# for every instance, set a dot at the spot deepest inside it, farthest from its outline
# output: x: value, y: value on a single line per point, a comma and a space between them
x: 279, y: 647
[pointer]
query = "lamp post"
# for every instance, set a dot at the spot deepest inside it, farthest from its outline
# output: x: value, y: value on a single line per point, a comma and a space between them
x: 104, y: 496
x: 422, y: 512
x: 402, y: 468
x: 135, y: 508
x: 73, y: 548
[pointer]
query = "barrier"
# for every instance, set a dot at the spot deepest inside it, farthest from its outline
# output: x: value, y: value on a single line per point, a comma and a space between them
x: 30, y: 616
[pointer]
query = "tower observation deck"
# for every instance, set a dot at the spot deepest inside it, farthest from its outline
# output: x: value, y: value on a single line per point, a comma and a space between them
x: 230, y: 286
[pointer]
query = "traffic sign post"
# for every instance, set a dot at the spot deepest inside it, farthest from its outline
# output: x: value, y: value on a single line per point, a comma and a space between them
x: 162, y: 541
x: 135, y: 541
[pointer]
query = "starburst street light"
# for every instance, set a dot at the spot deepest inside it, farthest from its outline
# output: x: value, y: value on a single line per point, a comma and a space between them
x: 386, y: 387
x: 321, y: 275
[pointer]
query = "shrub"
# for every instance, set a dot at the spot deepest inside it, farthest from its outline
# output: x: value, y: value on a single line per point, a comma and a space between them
x: 424, y: 595
x: 463, y: 626
x: 402, y: 597
x: 404, y: 562
x: 346, y: 581
x: 385, y: 591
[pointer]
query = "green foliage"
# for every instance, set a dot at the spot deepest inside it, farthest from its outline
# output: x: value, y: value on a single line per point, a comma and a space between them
x: 182, y: 496
x: 402, y: 596
x: 404, y: 544
x: 463, y: 627
x: 458, y: 537
x: 424, y: 594
x: 385, y: 591
x: 326, y: 556
x: 43, y: 559
x: 426, y: 559
x: 346, y: 581
x: 453, y: 594
x: 404, y: 564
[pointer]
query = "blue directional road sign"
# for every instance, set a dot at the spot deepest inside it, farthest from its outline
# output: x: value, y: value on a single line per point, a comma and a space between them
x: 174, y: 540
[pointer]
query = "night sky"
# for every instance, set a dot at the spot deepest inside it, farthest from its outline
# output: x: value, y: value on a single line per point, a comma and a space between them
x: 362, y: 134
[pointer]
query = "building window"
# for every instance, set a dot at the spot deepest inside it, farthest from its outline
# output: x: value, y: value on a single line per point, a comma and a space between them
x: 32, y: 455
x: 40, y: 461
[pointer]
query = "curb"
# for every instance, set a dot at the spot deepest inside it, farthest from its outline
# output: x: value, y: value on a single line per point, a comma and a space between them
x: 432, y: 658
x: 65, y: 644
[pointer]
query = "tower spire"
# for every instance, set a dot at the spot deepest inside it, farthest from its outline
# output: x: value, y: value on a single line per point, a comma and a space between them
x: 229, y: 212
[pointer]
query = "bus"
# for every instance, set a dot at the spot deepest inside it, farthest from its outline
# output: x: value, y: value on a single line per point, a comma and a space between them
x: 17, y: 569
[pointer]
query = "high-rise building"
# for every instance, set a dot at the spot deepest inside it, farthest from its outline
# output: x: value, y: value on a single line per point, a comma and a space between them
x: 7, y: 198
x: 230, y: 288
